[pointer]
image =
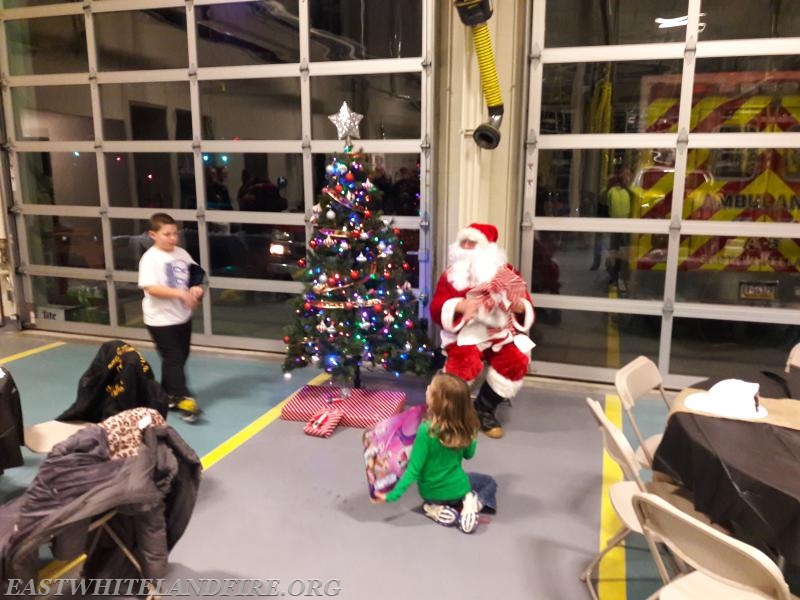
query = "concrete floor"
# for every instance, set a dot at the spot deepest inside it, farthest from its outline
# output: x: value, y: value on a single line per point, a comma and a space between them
x: 286, y: 506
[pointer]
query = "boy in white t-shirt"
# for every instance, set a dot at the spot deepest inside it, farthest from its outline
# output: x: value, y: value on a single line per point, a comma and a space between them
x: 169, y: 299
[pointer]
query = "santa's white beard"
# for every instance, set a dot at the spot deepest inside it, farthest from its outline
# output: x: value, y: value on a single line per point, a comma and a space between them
x: 470, y: 267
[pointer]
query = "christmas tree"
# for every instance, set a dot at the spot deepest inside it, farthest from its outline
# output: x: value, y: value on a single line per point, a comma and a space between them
x: 358, y: 307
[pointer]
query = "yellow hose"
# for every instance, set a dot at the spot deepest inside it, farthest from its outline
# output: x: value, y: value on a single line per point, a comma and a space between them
x: 489, y: 82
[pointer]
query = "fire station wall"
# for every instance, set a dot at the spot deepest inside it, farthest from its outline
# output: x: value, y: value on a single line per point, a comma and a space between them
x: 474, y: 184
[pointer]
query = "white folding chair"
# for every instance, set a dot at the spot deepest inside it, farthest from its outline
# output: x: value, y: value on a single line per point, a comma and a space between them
x: 793, y: 360
x: 634, y: 380
x: 725, y: 567
x: 621, y: 493
x: 42, y: 437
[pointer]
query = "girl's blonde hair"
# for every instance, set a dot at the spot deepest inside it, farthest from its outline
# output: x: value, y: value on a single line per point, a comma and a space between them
x: 453, y: 418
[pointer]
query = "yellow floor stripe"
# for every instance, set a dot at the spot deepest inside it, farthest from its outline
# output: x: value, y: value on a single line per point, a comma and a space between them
x: 612, y: 335
x: 245, y: 434
x: 30, y: 352
x: 58, y: 569
x: 611, y: 584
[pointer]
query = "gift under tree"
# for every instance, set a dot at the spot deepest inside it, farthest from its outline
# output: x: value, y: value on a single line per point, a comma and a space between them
x: 357, y: 307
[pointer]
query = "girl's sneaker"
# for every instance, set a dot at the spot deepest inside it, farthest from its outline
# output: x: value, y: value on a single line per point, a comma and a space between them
x: 468, y: 520
x: 441, y: 513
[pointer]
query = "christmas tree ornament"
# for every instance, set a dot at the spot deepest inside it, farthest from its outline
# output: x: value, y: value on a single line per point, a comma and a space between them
x: 330, y: 215
x: 346, y: 122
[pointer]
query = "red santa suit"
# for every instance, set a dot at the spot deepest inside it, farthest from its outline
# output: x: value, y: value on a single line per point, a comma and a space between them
x: 496, y: 334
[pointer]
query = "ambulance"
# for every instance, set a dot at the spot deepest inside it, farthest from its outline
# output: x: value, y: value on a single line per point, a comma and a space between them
x: 722, y: 184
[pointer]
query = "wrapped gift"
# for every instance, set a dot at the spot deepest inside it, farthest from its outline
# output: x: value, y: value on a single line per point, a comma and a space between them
x: 324, y: 421
x: 387, y: 447
x: 360, y: 407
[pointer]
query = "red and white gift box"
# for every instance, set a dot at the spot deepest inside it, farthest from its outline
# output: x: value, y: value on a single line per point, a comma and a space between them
x: 362, y: 408
x: 324, y: 421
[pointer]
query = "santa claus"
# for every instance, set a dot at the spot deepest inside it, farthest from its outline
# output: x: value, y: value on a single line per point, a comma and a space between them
x: 485, y: 311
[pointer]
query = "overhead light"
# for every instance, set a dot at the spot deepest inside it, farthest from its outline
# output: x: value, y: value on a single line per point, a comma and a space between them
x: 664, y: 23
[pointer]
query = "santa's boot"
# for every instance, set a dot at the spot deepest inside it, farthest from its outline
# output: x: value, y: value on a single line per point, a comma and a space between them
x: 485, y: 405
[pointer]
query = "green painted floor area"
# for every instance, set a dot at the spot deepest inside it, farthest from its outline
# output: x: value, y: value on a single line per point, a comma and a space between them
x: 233, y: 391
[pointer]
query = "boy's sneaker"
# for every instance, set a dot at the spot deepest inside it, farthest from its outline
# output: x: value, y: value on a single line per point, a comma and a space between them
x: 469, y: 513
x: 187, y: 407
x: 441, y: 513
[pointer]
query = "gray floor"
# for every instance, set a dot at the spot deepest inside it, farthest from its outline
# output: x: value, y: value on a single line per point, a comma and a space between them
x: 286, y: 506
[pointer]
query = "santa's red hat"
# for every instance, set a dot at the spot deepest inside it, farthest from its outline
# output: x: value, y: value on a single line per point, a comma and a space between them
x: 482, y: 233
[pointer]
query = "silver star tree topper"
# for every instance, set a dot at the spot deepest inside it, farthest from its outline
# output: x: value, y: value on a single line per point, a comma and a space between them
x: 346, y: 122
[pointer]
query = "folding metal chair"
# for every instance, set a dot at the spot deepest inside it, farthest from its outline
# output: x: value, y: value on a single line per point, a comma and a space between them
x: 724, y: 567
x: 793, y: 360
x: 633, y: 381
x: 621, y: 493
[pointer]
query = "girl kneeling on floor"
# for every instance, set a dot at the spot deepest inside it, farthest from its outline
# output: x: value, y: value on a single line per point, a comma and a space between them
x: 447, y: 435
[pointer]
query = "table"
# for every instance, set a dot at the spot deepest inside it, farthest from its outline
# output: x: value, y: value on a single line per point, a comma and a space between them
x: 745, y: 474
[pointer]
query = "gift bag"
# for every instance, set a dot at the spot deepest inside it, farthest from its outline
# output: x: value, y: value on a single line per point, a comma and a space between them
x: 387, y: 447
x: 324, y: 421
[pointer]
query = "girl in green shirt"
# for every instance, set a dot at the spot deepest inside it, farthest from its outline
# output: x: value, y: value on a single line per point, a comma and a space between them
x: 445, y: 437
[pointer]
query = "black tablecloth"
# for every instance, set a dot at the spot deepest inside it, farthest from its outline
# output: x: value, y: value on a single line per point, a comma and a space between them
x: 772, y: 384
x: 744, y: 475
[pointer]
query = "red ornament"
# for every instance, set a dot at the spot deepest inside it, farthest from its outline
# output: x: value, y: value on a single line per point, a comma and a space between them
x: 307, y: 306
x: 286, y: 338
x: 349, y: 306
x: 349, y: 176
x: 409, y: 324
x: 368, y: 213
x: 354, y: 274
x: 378, y: 307
x: 301, y: 263
x: 338, y: 188
x: 313, y: 243
x: 406, y: 266
x: 355, y: 234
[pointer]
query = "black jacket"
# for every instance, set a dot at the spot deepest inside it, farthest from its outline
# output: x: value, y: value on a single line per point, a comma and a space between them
x: 11, y: 430
x: 119, y: 378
